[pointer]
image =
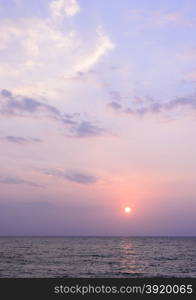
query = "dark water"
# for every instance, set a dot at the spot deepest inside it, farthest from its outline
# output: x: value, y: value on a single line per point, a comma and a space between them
x: 97, y: 257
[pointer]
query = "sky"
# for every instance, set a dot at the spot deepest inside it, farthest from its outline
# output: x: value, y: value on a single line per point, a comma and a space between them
x: 97, y: 112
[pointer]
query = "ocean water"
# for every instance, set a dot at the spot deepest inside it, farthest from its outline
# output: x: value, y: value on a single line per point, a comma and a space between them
x: 95, y: 257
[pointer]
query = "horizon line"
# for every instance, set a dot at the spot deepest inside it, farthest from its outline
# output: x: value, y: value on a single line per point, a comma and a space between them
x: 86, y: 235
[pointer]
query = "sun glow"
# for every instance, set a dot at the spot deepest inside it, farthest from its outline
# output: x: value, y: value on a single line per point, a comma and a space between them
x: 127, y: 210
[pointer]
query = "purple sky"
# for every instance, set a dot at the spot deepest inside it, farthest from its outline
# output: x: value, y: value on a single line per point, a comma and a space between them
x: 98, y: 112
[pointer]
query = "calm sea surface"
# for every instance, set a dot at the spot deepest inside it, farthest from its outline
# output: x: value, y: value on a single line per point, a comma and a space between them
x: 97, y: 257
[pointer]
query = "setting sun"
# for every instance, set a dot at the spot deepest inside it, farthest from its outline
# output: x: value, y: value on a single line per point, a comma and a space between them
x: 127, y: 210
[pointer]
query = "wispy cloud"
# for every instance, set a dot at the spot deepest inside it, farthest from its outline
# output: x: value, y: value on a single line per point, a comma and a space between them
x: 14, y: 180
x: 115, y: 95
x: 11, y: 105
x: 115, y: 105
x: 158, y: 18
x: 19, y: 139
x: 104, y: 44
x: 77, y: 177
x: 181, y: 101
x: 81, y: 178
x: 87, y: 129
x: 77, y: 76
x: 155, y: 107
x: 61, y: 8
x: 46, y: 46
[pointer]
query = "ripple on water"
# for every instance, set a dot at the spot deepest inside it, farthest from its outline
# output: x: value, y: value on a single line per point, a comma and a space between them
x: 97, y: 257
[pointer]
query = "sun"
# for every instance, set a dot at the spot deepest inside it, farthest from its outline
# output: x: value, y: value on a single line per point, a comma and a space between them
x: 127, y: 210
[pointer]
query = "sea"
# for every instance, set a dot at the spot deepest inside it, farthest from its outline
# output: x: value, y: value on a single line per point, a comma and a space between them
x: 97, y: 257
